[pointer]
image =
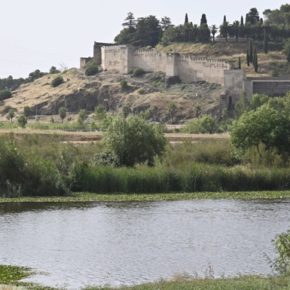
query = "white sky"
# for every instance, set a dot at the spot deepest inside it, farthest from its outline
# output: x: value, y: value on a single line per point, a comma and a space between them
x: 36, y: 34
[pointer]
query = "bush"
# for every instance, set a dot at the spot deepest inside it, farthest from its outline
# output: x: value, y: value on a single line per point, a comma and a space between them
x: 138, y: 72
x: 57, y: 81
x: 91, y: 69
x: 282, y: 262
x: 124, y: 85
x: 204, y: 124
x: 22, y: 121
x: 26, y: 111
x: 5, y: 94
x: 31, y: 176
x: 134, y: 140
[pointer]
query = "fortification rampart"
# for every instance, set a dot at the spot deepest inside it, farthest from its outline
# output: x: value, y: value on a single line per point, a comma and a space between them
x: 124, y: 58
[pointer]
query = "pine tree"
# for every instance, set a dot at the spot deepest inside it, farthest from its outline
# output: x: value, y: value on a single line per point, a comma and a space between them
x: 186, y: 19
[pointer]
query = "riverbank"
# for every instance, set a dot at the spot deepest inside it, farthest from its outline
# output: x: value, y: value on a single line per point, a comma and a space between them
x: 12, y: 275
x: 91, y: 197
x: 241, y: 283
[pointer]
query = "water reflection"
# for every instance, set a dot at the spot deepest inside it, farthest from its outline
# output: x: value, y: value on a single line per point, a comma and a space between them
x: 128, y: 243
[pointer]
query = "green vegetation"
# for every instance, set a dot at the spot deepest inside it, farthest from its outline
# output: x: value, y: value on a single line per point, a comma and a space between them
x: 62, y: 113
x: 133, y: 140
x: 22, y: 121
x: 11, y: 115
x: 204, y: 124
x: 149, y: 31
x: 13, y: 274
x: 147, y: 197
x: 57, y: 81
x: 91, y: 69
x: 241, y: 283
x: 138, y: 72
x: 264, y: 126
x: 5, y: 94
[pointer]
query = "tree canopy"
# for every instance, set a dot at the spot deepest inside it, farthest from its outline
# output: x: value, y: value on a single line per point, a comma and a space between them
x: 134, y: 140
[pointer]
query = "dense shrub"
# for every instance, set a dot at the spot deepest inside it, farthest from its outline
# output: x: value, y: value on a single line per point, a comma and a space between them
x: 124, y: 85
x: 5, y: 94
x: 22, y: 121
x: 28, y: 176
x: 57, y: 81
x: 204, y: 124
x: 133, y: 140
x: 138, y: 72
x: 91, y: 69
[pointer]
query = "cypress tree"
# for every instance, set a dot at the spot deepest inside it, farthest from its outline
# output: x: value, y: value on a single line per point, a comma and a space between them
x: 251, y: 52
x: 255, y: 60
x: 242, y: 20
x: 240, y: 63
x: 203, y: 20
x: 248, y: 57
x: 186, y: 19
x: 265, y: 45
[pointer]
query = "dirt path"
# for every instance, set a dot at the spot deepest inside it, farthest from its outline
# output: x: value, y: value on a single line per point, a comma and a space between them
x: 83, y: 137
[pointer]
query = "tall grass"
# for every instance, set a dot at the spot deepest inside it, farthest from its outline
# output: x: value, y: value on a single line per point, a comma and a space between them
x: 198, y: 178
x: 44, y: 166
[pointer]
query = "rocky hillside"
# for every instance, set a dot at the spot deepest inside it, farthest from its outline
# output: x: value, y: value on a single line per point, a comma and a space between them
x: 114, y: 91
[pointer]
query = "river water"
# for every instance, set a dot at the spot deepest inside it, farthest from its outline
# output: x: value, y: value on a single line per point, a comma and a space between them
x: 115, y: 244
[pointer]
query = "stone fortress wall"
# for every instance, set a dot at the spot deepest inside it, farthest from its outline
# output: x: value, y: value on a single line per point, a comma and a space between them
x: 125, y: 58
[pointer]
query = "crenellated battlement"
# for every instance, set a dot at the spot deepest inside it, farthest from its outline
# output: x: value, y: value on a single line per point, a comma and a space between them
x: 124, y: 58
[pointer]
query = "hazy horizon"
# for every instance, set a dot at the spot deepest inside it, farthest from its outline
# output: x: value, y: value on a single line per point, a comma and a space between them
x: 39, y: 34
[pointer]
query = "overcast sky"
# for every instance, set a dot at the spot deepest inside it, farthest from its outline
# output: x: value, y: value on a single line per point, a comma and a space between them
x: 36, y: 34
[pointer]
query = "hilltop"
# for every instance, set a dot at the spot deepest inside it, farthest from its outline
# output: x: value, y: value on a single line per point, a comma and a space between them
x: 114, y: 91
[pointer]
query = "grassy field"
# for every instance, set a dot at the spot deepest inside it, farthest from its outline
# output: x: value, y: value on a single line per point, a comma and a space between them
x: 97, y: 136
x: 91, y: 197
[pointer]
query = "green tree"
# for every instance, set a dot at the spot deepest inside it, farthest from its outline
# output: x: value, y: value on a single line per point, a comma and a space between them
x: 26, y: 111
x: 265, y: 42
x: 172, y: 110
x: 213, y: 32
x: 11, y: 115
x: 100, y: 113
x: 148, y: 32
x: 253, y: 16
x: 165, y: 23
x: 203, y: 33
x: 54, y: 70
x: 186, y: 19
x: 203, y: 20
x: 62, y: 113
x: 22, y: 121
x: 282, y: 262
x: 266, y: 125
x: 287, y: 49
x: 5, y: 94
x: 134, y: 140
x: 82, y: 117
x: 255, y: 60
x: 224, y: 29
